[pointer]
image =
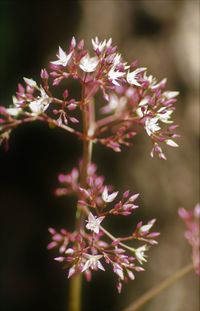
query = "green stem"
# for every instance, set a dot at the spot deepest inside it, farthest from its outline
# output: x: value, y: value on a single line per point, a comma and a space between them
x: 75, y: 289
x: 136, y: 305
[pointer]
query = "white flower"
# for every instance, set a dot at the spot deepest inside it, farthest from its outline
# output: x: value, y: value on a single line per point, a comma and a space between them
x: 132, y: 76
x: 31, y: 82
x: 17, y: 102
x: 14, y: 111
x: 88, y: 64
x: 116, y: 60
x: 93, y: 223
x: 139, y: 253
x: 147, y: 227
x: 93, y: 262
x: 100, y: 45
x: 115, y: 75
x: 171, y: 143
x: 108, y: 197
x: 170, y: 94
x: 165, y: 117
x: 151, y: 126
x: 41, y: 103
x: 63, y: 58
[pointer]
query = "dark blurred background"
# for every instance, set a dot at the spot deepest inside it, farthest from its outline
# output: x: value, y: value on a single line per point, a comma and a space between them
x: 164, y: 36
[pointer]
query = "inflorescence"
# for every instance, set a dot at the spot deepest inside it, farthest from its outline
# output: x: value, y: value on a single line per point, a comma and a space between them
x: 129, y: 100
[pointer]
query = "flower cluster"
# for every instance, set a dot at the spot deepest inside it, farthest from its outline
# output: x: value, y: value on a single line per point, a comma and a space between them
x: 92, y: 247
x: 131, y: 99
x: 191, y: 220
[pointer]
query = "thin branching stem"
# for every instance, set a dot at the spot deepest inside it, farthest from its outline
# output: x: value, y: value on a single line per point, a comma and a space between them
x: 153, y: 292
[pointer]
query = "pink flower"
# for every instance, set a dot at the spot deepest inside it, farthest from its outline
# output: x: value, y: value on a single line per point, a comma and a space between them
x: 191, y: 219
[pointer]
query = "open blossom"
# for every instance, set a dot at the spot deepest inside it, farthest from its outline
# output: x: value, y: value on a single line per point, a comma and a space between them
x: 63, y: 58
x: 114, y: 75
x: 30, y: 82
x: 101, y: 45
x: 191, y: 219
x: 164, y: 115
x: 139, y: 253
x: 41, y: 103
x: 94, y: 222
x: 151, y: 125
x: 132, y: 76
x: 93, y: 262
x: 108, y: 197
x: 88, y: 64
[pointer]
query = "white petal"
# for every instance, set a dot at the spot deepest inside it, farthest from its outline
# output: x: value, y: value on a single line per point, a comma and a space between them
x: 14, y: 111
x: 99, y: 265
x: 171, y: 143
x: 86, y: 266
x: 30, y: 82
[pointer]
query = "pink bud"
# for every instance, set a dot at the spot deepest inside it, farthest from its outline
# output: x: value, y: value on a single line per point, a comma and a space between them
x: 80, y: 45
x: 74, y: 120
x: 73, y: 43
x: 44, y: 74
x: 65, y: 93
x: 126, y: 194
x: 71, y: 107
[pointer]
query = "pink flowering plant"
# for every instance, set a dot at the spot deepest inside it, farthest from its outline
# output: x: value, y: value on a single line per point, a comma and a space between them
x: 191, y: 220
x: 129, y: 101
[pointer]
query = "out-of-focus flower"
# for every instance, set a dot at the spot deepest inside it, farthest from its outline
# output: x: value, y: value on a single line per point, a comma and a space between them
x: 14, y: 111
x: 171, y: 143
x: 191, y: 219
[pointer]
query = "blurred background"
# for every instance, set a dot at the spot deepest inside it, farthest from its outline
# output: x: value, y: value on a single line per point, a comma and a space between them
x: 164, y: 36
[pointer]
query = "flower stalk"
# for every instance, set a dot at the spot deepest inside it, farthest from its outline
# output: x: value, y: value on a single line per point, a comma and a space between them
x: 88, y: 117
